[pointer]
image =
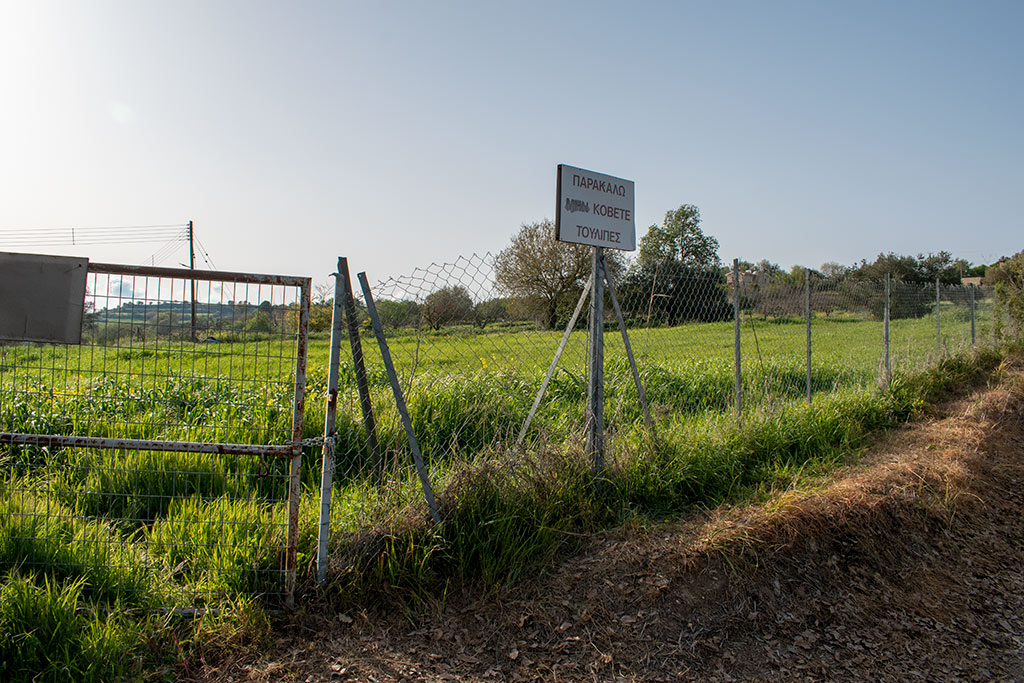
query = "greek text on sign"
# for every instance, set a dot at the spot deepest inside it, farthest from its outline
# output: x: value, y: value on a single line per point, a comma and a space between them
x: 595, y: 209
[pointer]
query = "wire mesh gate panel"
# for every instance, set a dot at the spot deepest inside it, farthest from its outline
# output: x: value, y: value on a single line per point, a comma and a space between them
x: 159, y: 459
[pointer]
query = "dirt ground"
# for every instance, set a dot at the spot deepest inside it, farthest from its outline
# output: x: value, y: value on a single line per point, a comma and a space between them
x: 908, y: 565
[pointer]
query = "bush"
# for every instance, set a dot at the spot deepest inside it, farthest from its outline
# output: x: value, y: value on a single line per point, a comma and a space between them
x: 1007, y: 277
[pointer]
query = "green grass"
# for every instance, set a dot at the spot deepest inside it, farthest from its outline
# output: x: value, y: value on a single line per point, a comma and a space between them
x: 89, y: 533
x: 505, y: 516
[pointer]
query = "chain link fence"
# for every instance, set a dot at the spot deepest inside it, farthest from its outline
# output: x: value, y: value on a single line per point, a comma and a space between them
x: 471, y: 356
x: 158, y: 459
x: 161, y: 458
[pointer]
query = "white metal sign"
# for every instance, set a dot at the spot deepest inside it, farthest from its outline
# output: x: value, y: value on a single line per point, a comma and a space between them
x: 595, y: 209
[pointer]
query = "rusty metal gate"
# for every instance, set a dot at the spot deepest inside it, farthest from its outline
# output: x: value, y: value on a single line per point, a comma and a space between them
x: 160, y: 456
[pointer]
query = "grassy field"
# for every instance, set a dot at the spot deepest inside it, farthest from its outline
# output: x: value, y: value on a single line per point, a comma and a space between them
x: 87, y: 533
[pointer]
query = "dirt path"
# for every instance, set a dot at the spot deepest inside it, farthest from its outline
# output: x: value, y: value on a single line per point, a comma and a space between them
x: 908, y: 566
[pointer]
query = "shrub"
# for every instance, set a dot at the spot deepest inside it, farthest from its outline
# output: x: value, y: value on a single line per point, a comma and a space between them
x: 1008, y: 279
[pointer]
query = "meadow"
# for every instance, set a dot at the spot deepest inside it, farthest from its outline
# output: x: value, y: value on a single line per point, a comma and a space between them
x: 88, y: 533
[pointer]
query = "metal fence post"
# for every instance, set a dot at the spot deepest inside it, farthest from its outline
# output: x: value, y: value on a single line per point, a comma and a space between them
x: 327, y: 458
x: 736, y: 327
x: 595, y: 377
x: 554, y: 362
x: 640, y: 392
x: 807, y: 288
x: 885, y: 330
x: 396, y: 388
x: 295, y: 464
x: 973, y: 337
x: 938, y: 326
x: 365, y: 404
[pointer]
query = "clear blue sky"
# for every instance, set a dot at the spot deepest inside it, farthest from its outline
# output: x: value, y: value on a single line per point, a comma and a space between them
x: 403, y: 133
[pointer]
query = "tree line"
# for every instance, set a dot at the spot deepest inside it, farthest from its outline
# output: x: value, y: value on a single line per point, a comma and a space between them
x: 676, y: 276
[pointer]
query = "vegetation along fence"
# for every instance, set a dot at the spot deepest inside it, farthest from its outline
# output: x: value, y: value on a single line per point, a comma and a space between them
x: 158, y: 460
x: 161, y: 457
x: 472, y: 355
x: 472, y: 343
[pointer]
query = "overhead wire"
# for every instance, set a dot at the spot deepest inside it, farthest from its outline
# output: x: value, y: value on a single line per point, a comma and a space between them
x: 75, y: 235
x: 171, y: 234
x: 204, y: 254
x: 165, y: 251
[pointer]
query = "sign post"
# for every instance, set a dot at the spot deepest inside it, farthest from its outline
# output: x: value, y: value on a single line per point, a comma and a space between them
x: 597, y: 210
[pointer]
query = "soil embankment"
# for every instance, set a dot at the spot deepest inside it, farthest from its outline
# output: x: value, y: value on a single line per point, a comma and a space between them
x: 908, y: 565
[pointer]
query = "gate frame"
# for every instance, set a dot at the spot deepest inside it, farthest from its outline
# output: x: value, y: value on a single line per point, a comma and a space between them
x: 292, y: 450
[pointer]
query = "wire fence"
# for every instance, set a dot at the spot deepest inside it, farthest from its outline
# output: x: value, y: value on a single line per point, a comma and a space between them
x: 472, y: 355
x: 158, y: 459
x: 162, y: 457
x: 471, y: 358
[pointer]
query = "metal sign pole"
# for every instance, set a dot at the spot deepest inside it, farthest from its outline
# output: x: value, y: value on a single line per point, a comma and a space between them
x: 595, y: 378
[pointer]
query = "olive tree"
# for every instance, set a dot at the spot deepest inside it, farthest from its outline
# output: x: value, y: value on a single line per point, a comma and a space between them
x: 446, y: 306
x: 544, y: 273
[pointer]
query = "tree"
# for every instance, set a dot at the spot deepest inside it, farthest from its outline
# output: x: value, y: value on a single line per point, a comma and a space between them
x: 546, y: 274
x: 917, y: 270
x: 677, y: 276
x: 321, y: 309
x: 446, y: 306
x: 834, y: 271
x: 671, y: 293
x: 679, y: 239
x: 491, y: 311
x: 394, y: 314
x: 1007, y: 277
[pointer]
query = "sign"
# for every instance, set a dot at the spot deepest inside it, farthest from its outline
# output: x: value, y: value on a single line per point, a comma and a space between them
x: 42, y: 298
x: 595, y: 209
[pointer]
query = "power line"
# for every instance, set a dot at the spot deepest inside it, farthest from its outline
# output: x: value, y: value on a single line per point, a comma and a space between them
x: 205, y: 254
x: 93, y: 227
x: 165, y: 251
x: 75, y: 236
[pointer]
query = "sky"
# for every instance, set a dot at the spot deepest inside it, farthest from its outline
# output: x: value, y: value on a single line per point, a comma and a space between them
x: 400, y: 134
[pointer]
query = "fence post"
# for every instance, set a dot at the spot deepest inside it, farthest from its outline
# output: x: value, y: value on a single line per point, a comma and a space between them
x: 938, y: 326
x: 736, y: 328
x: 807, y: 288
x: 640, y: 392
x: 396, y: 388
x: 330, y: 415
x: 295, y: 463
x: 554, y: 363
x: 595, y: 376
x: 365, y: 404
x: 885, y: 331
x: 192, y: 283
x: 973, y: 338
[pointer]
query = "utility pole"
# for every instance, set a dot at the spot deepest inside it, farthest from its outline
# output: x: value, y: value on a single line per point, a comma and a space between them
x: 192, y: 267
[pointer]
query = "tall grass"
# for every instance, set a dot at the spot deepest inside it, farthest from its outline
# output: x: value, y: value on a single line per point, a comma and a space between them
x: 85, y: 533
x: 503, y: 515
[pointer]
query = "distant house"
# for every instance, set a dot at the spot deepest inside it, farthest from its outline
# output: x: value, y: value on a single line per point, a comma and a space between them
x: 976, y: 281
x: 748, y: 278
